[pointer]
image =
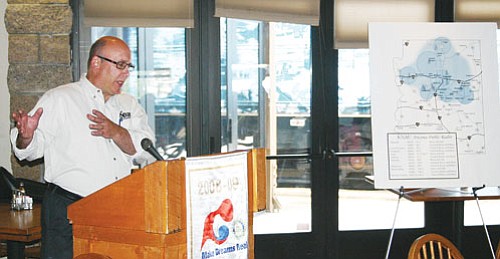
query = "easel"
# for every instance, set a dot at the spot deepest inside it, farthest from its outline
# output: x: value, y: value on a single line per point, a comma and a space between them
x: 401, y: 195
x: 474, y: 191
x: 439, y: 195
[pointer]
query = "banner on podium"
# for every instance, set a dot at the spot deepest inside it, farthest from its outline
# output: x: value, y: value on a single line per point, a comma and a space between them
x: 217, y: 206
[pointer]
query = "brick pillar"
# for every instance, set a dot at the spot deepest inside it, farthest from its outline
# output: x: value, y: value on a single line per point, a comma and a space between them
x: 39, y: 58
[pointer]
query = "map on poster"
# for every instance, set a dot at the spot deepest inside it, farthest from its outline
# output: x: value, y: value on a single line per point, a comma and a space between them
x: 435, y: 104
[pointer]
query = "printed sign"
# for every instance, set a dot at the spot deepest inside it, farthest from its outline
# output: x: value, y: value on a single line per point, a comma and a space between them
x: 217, y: 206
x: 435, y: 102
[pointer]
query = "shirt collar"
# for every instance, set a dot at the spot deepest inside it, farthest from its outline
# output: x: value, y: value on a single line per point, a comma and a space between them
x: 91, y: 89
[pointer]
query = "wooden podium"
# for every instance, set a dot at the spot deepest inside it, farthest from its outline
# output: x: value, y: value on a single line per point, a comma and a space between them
x: 144, y: 214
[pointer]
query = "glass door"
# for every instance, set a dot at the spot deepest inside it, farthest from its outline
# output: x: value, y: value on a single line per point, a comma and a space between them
x: 265, y: 94
x: 357, y: 197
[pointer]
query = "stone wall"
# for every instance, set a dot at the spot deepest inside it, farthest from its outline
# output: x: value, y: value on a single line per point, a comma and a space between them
x: 39, y: 58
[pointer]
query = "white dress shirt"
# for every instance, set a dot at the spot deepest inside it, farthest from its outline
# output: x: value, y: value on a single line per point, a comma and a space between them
x: 74, y: 159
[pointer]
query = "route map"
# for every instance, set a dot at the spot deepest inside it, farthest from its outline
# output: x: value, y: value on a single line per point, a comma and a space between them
x: 440, y: 90
x: 435, y: 104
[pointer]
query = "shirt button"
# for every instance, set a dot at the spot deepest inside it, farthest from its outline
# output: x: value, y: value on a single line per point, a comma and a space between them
x: 116, y: 178
x: 114, y: 158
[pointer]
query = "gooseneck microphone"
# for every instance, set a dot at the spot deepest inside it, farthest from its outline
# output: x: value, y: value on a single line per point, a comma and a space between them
x: 147, y: 145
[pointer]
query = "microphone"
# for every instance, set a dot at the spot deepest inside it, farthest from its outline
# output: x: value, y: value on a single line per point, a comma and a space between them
x: 147, y: 145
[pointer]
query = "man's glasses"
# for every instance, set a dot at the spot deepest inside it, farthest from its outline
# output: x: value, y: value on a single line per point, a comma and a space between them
x: 119, y: 64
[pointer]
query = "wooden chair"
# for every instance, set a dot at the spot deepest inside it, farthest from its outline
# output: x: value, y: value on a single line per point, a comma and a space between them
x: 433, y: 246
x: 92, y: 256
x: 3, y: 249
x: 30, y: 252
x: 33, y: 251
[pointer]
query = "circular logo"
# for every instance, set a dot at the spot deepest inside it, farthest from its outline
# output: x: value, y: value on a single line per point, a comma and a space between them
x: 238, y: 228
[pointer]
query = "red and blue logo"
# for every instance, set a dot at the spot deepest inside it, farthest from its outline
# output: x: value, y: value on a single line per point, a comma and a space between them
x: 225, y: 211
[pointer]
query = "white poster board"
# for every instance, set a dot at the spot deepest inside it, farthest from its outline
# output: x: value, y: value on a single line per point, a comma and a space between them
x: 435, y: 104
x: 217, y: 206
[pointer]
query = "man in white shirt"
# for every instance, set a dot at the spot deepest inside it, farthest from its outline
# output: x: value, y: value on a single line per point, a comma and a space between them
x: 88, y: 132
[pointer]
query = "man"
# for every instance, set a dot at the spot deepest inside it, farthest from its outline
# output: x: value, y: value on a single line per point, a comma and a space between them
x: 88, y: 133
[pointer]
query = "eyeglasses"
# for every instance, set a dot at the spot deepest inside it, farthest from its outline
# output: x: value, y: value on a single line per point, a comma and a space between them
x: 119, y: 64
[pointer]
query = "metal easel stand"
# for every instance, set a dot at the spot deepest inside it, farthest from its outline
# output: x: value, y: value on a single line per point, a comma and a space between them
x: 401, y: 195
x: 474, y: 191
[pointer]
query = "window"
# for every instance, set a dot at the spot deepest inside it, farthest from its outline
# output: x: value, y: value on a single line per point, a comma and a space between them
x: 487, y: 210
x: 158, y: 81
x: 359, y: 204
x: 265, y: 94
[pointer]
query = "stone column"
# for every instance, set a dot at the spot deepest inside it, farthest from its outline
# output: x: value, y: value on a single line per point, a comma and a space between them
x: 39, y: 58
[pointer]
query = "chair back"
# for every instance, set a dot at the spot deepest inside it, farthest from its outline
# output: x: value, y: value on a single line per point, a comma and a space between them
x: 8, y: 183
x: 433, y: 246
x: 92, y: 256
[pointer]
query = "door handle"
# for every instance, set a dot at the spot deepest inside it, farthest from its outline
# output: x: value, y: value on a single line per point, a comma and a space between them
x: 331, y: 153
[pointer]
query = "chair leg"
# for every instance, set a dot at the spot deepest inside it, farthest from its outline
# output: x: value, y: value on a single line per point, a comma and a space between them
x: 3, y: 249
x: 33, y: 251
